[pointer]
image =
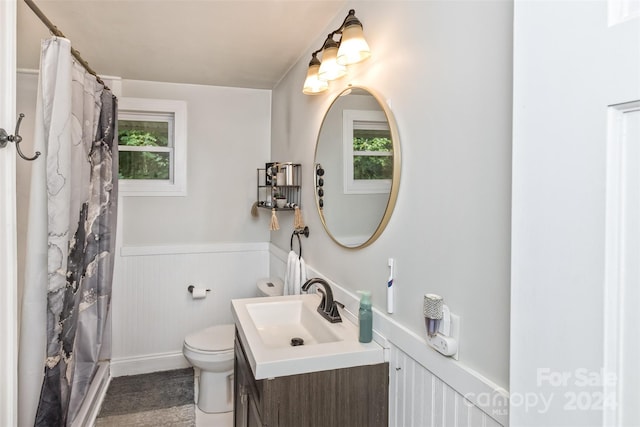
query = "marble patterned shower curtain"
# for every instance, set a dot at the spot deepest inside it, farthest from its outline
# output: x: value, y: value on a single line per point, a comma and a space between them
x: 77, y: 116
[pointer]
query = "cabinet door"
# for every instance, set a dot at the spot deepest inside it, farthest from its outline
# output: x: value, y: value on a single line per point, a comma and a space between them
x: 246, y: 404
x: 253, y: 416
x: 246, y: 414
x: 240, y: 403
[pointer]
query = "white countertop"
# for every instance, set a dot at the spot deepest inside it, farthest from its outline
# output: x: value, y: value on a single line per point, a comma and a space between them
x: 269, y: 361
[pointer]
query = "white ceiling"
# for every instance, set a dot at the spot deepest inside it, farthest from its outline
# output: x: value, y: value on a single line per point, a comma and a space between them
x: 241, y: 43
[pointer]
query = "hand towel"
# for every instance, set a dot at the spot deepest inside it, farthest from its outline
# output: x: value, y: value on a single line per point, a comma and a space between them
x: 303, y: 273
x: 290, y: 274
x: 296, y: 274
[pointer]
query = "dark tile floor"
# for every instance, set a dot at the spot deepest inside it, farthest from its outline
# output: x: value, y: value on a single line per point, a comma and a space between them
x: 146, y: 393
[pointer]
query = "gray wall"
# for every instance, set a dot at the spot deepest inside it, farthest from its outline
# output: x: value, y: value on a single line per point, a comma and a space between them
x: 445, y: 69
x: 228, y: 132
x: 228, y: 138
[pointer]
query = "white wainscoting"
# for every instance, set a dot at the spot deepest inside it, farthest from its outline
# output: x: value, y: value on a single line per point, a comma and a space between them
x: 419, y: 398
x: 425, y: 388
x: 152, y: 311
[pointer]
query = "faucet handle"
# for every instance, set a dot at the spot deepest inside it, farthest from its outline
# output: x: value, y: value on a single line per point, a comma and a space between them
x: 323, y: 302
x: 334, y: 313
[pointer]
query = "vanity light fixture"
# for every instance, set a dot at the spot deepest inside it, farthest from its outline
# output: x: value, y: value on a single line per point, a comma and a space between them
x: 312, y: 84
x: 336, y: 55
x: 330, y: 69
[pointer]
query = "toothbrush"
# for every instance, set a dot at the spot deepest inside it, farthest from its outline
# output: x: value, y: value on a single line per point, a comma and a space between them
x: 390, y: 288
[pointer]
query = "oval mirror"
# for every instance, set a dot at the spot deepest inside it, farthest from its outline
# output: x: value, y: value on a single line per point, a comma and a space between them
x: 357, y: 167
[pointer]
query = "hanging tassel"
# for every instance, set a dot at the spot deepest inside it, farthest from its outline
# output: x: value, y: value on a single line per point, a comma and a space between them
x: 274, y: 221
x: 298, y: 223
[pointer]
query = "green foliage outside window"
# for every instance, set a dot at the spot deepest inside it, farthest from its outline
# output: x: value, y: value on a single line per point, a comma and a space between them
x: 372, y: 166
x: 143, y: 164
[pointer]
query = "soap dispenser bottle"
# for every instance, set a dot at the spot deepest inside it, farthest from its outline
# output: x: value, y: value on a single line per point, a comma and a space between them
x: 365, y: 317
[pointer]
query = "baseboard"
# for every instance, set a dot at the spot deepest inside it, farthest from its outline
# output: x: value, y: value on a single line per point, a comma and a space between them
x: 95, y: 396
x: 147, y: 363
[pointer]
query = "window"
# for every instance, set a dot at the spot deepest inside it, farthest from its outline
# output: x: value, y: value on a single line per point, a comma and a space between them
x: 152, y: 144
x: 368, y: 152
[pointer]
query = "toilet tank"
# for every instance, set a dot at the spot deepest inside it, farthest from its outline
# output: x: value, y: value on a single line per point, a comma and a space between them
x: 271, y: 287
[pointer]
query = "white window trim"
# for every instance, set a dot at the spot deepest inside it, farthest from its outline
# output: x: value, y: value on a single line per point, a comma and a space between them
x: 177, y: 184
x: 360, y: 186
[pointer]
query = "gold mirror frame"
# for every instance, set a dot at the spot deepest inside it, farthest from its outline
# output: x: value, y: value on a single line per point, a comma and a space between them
x: 395, y: 181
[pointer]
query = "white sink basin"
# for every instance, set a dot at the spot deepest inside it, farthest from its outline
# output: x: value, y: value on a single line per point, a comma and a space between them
x: 278, y: 323
x: 266, y: 327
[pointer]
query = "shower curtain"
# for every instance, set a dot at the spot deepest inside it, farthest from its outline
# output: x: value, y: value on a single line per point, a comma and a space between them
x: 71, y: 234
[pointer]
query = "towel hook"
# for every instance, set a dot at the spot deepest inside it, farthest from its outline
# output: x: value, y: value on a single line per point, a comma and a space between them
x: 5, y: 138
x: 305, y: 232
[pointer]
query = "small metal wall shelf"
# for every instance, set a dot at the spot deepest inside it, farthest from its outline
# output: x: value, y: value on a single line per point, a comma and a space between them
x: 279, y: 180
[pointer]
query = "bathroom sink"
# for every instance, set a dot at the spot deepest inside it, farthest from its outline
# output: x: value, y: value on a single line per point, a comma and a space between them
x: 285, y: 335
x: 280, y: 322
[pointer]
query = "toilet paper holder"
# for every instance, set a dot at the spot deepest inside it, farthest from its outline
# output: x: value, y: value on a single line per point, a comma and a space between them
x: 191, y: 288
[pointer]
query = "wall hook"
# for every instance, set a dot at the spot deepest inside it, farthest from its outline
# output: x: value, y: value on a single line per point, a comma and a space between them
x: 5, y: 138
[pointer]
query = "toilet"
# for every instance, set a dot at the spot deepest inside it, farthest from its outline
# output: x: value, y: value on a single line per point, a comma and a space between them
x: 211, y: 351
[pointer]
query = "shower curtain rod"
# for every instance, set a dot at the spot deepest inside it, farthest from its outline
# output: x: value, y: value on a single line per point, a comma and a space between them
x: 56, y: 32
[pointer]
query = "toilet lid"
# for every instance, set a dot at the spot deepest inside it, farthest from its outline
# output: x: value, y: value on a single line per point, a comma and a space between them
x: 271, y: 287
x: 213, y: 338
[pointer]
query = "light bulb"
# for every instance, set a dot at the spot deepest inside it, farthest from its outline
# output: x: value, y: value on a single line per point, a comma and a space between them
x: 330, y: 69
x: 353, y: 46
x: 312, y: 84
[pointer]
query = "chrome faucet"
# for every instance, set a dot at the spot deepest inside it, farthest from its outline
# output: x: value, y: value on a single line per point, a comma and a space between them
x: 328, y: 307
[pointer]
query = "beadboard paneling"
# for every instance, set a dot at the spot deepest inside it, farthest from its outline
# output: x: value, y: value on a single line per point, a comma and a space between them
x: 419, y: 398
x: 153, y: 311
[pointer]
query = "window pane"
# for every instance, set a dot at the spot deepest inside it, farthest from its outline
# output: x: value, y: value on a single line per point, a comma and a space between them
x: 372, y: 167
x: 142, y: 133
x: 372, y: 140
x: 144, y: 165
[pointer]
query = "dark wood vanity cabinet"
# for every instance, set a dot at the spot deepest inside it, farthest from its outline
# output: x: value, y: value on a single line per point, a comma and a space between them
x: 246, y: 397
x: 353, y: 397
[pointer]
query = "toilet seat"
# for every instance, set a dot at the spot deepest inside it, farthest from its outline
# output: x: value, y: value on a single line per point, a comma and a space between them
x: 214, y: 339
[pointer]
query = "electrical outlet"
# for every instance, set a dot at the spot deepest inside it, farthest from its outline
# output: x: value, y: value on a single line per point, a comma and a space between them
x: 445, y: 345
x: 447, y: 340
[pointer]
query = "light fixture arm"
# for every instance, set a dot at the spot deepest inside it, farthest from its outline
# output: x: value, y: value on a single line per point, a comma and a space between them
x: 348, y: 21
